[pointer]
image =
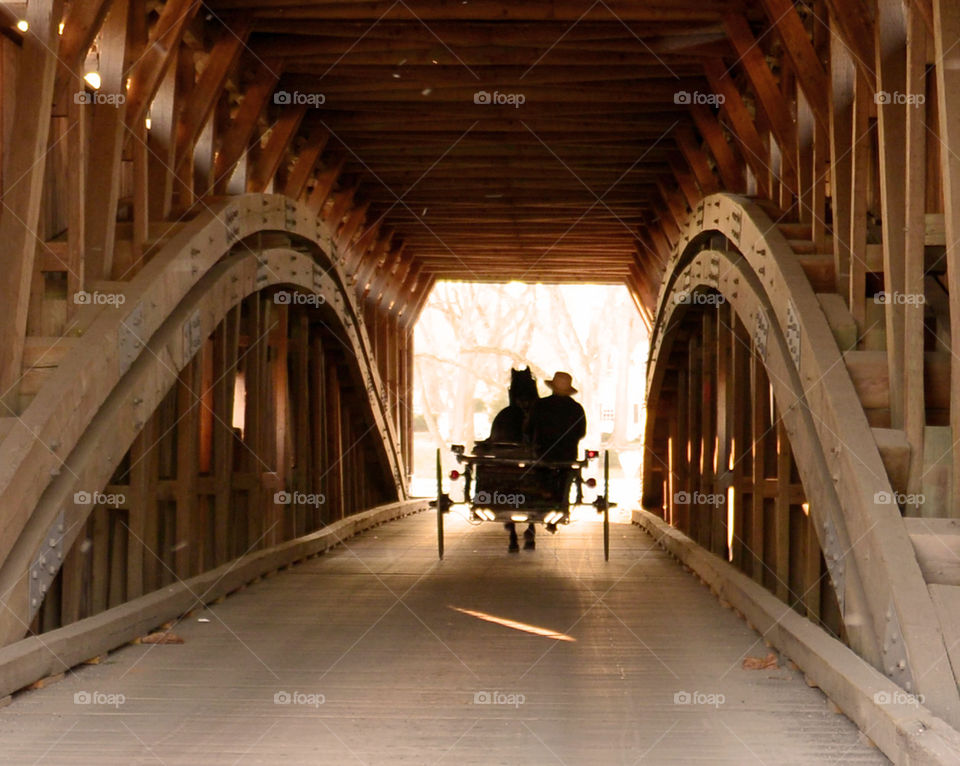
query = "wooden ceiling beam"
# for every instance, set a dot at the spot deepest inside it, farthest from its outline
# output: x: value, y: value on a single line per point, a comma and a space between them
x: 799, y: 49
x: 236, y: 140
x: 272, y: 155
x: 731, y: 171
x: 148, y: 71
x: 323, y: 185
x: 771, y: 99
x: 307, y: 159
x: 482, y: 11
x: 686, y: 141
x: 741, y: 123
x: 81, y: 23
x: 354, y: 221
x: 854, y: 20
x: 203, y: 97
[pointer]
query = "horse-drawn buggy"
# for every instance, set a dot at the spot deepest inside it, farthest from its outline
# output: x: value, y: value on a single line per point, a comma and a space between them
x: 503, y: 482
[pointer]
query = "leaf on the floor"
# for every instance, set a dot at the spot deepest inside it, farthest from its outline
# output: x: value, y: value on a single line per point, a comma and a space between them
x: 761, y: 663
x: 161, y: 637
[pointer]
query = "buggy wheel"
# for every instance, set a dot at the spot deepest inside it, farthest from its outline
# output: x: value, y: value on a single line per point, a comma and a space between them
x: 440, y: 507
x: 606, y: 506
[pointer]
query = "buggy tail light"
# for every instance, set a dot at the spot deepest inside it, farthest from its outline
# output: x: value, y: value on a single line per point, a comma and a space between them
x: 591, y: 482
x: 454, y: 475
x: 592, y: 453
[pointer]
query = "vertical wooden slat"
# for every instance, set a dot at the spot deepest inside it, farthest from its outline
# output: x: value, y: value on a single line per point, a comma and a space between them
x: 915, y: 220
x: 860, y: 162
x: 19, y: 220
x: 891, y: 39
x: 946, y: 21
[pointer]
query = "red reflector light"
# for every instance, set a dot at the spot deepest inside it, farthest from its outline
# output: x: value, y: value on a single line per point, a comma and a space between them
x: 454, y: 475
x: 592, y: 453
x: 591, y: 482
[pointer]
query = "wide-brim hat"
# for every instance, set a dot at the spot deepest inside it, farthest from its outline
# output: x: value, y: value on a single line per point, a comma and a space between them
x: 561, y: 384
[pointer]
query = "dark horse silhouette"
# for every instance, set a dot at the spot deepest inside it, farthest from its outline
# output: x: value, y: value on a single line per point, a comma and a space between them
x: 512, y: 425
x: 512, y: 422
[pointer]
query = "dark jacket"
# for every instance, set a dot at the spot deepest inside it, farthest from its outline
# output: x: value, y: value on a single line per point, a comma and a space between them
x: 557, y: 423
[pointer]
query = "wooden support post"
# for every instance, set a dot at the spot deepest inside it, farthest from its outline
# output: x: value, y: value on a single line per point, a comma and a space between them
x: 708, y: 428
x: 21, y: 215
x: 781, y: 513
x: 842, y: 83
x: 860, y: 153
x: 891, y: 41
x: 225, y: 351
x: 77, y: 143
x: 186, y: 545
x: 915, y: 418
x: 695, y: 510
x: 946, y: 19
x: 334, y: 468
x: 742, y: 414
x: 680, y: 457
x: 761, y: 422
x: 107, y: 136
x: 725, y: 398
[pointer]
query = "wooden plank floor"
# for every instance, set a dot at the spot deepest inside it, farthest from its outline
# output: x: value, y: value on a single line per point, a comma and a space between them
x: 362, y: 657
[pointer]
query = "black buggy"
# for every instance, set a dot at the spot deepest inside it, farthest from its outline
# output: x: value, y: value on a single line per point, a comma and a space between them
x: 504, y: 482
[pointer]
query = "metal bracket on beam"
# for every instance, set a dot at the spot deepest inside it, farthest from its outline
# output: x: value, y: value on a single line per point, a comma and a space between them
x: 833, y: 555
x: 129, y: 341
x: 760, y: 334
x: 793, y: 334
x: 47, y: 563
x: 290, y: 214
x: 894, y: 654
x: 737, y: 218
x: 192, y: 336
x: 232, y: 220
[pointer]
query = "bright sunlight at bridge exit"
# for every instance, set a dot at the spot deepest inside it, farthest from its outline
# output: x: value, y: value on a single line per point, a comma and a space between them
x: 468, y: 338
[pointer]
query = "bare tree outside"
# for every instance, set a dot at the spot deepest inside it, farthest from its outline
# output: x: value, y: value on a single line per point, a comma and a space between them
x: 470, y: 335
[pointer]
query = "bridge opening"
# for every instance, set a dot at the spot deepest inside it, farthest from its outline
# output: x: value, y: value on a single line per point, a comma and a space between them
x: 470, y: 335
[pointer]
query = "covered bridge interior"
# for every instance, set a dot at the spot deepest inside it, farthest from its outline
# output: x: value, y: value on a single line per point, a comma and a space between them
x: 219, y: 224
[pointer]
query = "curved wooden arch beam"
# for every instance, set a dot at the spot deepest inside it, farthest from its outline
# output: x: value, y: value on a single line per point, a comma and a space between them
x: 33, y: 451
x: 137, y: 395
x: 764, y: 281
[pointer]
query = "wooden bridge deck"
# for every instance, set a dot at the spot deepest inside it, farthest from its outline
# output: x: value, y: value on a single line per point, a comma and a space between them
x: 362, y: 656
